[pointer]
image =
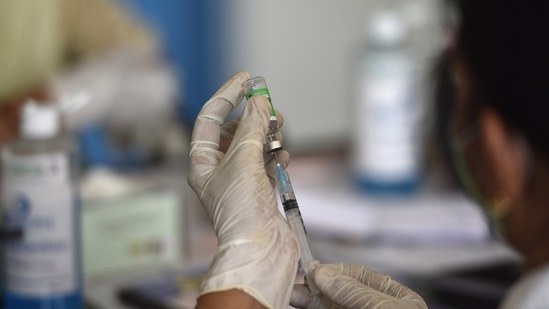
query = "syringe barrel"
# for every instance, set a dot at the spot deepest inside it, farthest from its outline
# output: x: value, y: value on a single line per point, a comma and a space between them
x: 258, y: 86
x: 307, y: 260
x: 293, y: 216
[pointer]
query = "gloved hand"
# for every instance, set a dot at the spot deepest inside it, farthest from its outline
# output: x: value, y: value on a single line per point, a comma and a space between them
x: 353, y: 287
x: 257, y: 252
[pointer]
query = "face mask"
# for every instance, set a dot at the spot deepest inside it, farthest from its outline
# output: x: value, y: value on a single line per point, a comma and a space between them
x: 494, y: 212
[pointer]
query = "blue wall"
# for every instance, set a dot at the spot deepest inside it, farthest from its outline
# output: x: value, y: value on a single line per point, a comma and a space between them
x: 193, y: 38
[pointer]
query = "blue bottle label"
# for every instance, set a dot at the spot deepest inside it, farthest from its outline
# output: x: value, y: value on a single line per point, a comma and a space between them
x: 38, y: 199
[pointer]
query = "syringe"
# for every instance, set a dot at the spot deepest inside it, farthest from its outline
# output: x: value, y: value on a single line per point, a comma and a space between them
x: 293, y: 216
x: 257, y: 86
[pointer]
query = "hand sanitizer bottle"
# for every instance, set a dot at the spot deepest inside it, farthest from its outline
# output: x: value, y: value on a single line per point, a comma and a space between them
x: 42, y: 267
x: 386, y: 152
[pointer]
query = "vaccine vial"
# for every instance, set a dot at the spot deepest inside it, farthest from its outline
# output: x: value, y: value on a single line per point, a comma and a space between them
x: 258, y: 86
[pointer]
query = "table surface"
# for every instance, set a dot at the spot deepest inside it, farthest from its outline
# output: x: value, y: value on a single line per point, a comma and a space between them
x: 408, y: 262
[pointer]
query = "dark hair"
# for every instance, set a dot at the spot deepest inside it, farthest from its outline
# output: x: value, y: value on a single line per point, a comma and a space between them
x: 506, y: 46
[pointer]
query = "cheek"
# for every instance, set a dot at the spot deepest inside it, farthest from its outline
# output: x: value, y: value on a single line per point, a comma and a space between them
x: 525, y: 226
x: 514, y: 230
x: 481, y: 170
x: 522, y: 230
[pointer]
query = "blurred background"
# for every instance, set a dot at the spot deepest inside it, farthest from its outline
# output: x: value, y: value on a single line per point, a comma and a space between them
x: 356, y: 83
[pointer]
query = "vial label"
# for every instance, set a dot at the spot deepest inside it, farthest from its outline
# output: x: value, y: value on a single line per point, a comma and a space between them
x: 38, y: 199
x: 386, y: 149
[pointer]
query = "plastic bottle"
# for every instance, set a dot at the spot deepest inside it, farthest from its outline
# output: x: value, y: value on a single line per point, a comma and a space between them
x: 42, y: 268
x: 386, y: 158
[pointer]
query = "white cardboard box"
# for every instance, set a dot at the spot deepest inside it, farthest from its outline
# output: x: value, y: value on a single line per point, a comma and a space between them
x: 136, y: 229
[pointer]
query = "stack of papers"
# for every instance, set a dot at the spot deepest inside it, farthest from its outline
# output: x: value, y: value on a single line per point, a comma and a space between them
x: 426, y: 218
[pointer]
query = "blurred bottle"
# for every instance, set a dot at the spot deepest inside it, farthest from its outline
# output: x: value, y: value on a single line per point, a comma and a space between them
x: 386, y: 152
x: 42, y: 267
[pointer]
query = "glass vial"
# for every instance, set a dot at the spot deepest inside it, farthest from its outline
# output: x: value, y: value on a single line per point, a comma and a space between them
x: 258, y: 86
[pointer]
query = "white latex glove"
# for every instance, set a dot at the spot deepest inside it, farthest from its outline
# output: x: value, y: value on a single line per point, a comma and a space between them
x: 257, y: 251
x: 354, y: 287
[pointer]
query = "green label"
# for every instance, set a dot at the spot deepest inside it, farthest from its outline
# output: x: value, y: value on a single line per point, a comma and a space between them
x: 262, y: 91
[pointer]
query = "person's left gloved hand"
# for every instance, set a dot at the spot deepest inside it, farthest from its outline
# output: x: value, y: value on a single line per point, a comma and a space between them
x: 257, y: 252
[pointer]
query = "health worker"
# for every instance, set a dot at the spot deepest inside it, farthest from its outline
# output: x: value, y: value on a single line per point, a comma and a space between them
x: 498, y: 134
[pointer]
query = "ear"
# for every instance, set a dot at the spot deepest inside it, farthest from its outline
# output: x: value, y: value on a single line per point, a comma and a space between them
x: 505, y: 157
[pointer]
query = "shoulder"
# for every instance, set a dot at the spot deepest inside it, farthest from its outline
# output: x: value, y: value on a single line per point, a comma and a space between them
x: 530, y: 292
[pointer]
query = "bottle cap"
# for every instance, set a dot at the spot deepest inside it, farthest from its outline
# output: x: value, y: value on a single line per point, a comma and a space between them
x: 386, y: 29
x: 39, y: 120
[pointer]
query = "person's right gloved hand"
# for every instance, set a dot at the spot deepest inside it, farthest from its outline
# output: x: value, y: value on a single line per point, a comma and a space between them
x: 257, y: 251
x: 354, y: 287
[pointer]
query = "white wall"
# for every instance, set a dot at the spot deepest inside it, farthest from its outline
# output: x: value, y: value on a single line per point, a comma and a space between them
x: 305, y: 50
